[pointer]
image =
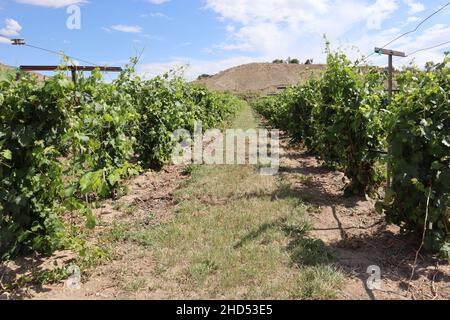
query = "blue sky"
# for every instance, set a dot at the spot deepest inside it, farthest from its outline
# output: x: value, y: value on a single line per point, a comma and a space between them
x: 208, y: 36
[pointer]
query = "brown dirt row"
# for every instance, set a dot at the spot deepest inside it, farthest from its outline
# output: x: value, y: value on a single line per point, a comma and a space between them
x: 360, y: 237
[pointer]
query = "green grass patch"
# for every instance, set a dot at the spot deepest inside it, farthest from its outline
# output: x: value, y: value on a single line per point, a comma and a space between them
x: 318, y: 283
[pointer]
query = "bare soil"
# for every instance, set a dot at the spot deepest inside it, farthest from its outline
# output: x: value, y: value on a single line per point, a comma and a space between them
x: 360, y: 237
x: 150, y: 201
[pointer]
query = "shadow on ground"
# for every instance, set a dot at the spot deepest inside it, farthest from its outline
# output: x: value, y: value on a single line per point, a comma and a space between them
x: 360, y: 239
x: 23, y: 274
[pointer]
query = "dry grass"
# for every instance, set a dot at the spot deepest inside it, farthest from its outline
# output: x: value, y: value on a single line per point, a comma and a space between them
x: 262, y: 78
x: 238, y: 235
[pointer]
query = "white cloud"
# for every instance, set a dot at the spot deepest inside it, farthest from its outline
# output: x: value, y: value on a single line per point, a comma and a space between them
x: 248, y: 11
x: 51, y: 3
x: 266, y: 37
x: 157, y: 2
x: 154, y: 15
x: 379, y: 12
x: 413, y: 19
x: 12, y: 28
x: 414, y: 6
x: 429, y: 38
x: 281, y: 27
x: 193, y: 68
x: 126, y: 28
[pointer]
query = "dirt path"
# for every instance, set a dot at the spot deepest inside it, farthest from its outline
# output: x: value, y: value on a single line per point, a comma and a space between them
x: 226, y: 232
x: 360, y: 238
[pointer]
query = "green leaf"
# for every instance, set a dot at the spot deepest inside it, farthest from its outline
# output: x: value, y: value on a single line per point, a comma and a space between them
x: 108, y: 118
x: 113, y: 178
x: 86, y: 183
x: 70, y: 191
x: 7, y: 154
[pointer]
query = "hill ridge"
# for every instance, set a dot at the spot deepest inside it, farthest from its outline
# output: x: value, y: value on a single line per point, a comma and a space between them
x: 263, y: 78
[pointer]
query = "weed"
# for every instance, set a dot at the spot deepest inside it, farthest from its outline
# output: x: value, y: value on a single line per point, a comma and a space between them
x: 310, y: 252
x: 318, y: 283
x: 305, y: 180
x: 199, y: 271
x: 119, y: 232
x: 136, y: 285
